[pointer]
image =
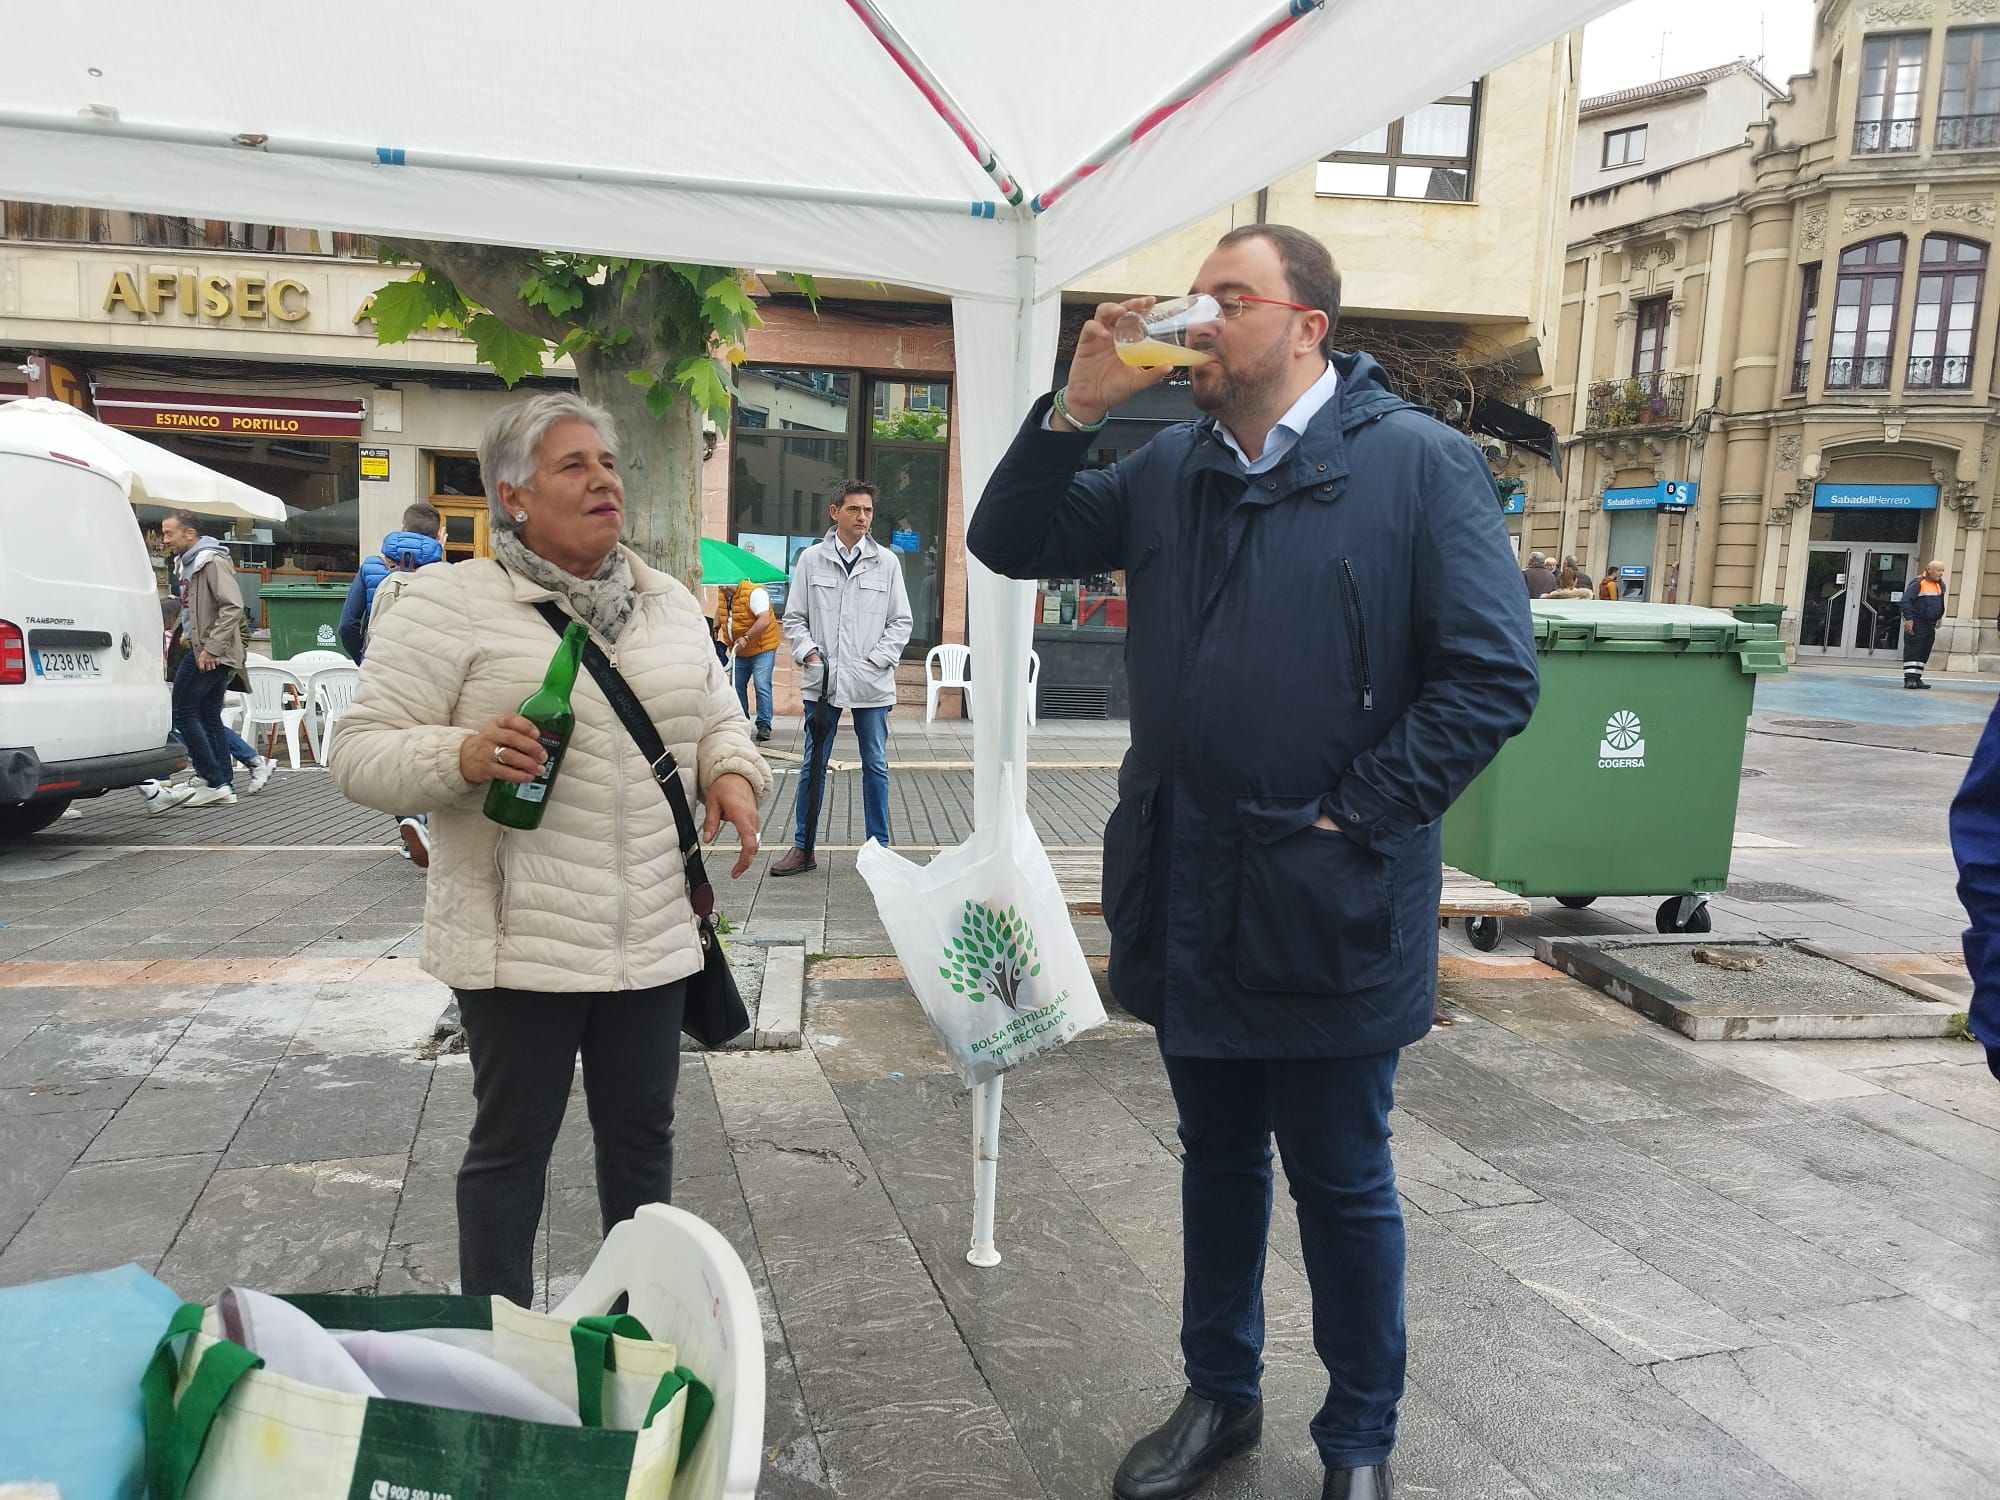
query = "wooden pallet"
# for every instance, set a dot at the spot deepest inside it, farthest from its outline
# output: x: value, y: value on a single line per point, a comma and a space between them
x: 1081, y: 875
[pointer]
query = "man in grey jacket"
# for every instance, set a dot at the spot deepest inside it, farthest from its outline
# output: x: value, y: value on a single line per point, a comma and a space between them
x: 847, y: 619
x: 212, y: 622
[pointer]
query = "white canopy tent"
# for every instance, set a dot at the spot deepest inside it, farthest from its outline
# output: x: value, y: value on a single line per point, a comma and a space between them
x: 991, y: 152
x: 151, y: 474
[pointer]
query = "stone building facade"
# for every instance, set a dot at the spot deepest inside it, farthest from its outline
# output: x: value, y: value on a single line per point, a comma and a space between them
x: 1777, y: 362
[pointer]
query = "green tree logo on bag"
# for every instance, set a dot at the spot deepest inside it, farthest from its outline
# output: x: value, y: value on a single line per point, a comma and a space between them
x: 993, y: 954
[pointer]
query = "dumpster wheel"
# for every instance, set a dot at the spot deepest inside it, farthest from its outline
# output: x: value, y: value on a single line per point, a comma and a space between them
x: 1575, y: 903
x: 1683, y: 914
x: 1484, y: 933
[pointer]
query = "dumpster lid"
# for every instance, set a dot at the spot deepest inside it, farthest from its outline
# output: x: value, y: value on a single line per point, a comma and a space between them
x: 303, y: 588
x: 1607, y: 625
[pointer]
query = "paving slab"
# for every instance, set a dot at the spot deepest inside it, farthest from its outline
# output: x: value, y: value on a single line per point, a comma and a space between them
x: 1626, y: 1304
x: 298, y: 1226
x: 106, y: 1213
x: 180, y: 1117
x: 40, y: 1148
x: 1819, y: 1437
x: 314, y: 1107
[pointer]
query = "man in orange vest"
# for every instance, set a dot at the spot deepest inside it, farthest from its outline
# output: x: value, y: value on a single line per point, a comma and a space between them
x: 1922, y: 608
x: 744, y: 623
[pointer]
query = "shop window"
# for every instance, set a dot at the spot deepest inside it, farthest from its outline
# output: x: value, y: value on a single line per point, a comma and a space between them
x: 1429, y: 153
x: 799, y: 435
x: 320, y: 484
x: 1950, y: 274
x: 1969, y: 106
x: 1892, y: 86
x: 1624, y: 148
x: 459, y: 496
x: 1808, y: 321
x: 1864, y: 315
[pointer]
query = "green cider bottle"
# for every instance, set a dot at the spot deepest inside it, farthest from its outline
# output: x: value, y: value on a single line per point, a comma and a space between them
x: 521, y: 804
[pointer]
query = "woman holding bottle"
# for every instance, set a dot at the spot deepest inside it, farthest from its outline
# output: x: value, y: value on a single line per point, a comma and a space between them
x: 573, y: 936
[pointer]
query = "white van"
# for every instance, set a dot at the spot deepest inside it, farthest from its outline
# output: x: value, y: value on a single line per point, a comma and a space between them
x: 84, y: 702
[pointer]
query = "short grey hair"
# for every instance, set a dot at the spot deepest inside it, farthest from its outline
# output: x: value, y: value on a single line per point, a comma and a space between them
x: 507, y: 448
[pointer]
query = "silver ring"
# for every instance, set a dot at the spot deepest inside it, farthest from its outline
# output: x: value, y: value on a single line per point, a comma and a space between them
x: 500, y: 755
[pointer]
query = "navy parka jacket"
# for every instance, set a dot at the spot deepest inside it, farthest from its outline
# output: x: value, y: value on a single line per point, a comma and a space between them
x: 1362, y: 649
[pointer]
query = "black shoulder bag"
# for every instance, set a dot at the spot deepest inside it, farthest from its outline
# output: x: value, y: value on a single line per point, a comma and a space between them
x: 715, y: 1012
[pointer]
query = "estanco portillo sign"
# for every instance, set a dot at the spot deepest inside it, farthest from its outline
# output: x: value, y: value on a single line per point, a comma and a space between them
x: 244, y: 414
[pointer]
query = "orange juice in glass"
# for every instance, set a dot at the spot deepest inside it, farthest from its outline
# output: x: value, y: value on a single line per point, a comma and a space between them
x: 1159, y: 336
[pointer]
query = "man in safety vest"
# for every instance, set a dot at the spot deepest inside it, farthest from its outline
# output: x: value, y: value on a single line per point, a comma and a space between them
x: 1923, y: 607
x: 744, y: 622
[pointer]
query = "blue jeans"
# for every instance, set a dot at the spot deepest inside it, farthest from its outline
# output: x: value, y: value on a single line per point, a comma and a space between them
x: 871, y: 727
x: 198, y: 718
x: 1331, y: 1119
x: 240, y: 750
x: 759, y: 668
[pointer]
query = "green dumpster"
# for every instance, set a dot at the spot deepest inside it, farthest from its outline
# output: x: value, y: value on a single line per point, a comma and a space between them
x: 1624, y: 782
x: 1758, y: 614
x: 303, y: 617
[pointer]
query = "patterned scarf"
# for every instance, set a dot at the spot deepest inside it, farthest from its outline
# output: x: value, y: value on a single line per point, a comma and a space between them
x: 604, y: 601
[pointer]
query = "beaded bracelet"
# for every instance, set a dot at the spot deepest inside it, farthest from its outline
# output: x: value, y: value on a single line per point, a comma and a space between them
x: 1062, y: 410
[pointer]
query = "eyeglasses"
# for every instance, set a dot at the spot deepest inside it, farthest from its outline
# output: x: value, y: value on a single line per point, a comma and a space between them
x: 1232, y: 305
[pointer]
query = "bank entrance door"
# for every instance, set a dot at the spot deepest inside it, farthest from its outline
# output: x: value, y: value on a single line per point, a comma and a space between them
x: 1853, y: 600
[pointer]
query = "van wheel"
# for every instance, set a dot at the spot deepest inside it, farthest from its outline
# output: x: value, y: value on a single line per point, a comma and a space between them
x: 19, y: 819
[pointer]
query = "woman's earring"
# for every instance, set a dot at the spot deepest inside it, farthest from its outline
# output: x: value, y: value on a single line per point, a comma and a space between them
x: 520, y: 516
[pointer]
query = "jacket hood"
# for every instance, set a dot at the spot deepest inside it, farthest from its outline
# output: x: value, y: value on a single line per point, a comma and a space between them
x: 411, y: 549
x: 198, y: 555
x: 1365, y: 391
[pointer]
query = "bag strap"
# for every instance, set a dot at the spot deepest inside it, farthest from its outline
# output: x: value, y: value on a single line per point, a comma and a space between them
x: 175, y: 1436
x: 666, y: 771
x: 590, y: 1342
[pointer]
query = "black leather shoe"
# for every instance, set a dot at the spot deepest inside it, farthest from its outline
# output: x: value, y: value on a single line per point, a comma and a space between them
x: 794, y: 862
x: 1371, y: 1483
x: 1179, y: 1458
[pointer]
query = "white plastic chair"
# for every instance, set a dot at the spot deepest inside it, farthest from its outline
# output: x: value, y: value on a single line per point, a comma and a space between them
x: 954, y: 665
x: 308, y: 662
x: 329, y: 693
x: 684, y: 1282
x: 270, y: 708
x: 1034, y: 678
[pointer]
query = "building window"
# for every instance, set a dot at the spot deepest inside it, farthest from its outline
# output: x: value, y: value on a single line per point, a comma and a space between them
x: 1624, y: 148
x: 1864, y: 315
x: 1969, y: 108
x: 1649, y: 344
x: 799, y: 434
x: 1949, y: 278
x: 1892, y: 86
x: 1426, y: 154
x: 1808, y: 320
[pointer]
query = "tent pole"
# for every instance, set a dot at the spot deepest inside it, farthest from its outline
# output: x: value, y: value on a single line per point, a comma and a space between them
x: 1009, y: 728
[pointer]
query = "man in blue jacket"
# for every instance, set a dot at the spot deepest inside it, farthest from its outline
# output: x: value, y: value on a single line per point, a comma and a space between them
x: 419, y: 544
x: 1975, y: 844
x: 1328, y: 639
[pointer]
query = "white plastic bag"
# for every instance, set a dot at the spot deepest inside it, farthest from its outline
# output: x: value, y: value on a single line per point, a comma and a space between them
x: 985, y: 938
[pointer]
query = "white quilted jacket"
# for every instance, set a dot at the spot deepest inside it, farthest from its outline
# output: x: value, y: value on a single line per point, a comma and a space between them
x: 593, y: 900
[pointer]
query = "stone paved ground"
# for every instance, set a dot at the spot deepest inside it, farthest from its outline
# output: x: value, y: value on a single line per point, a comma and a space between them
x: 1640, y: 1266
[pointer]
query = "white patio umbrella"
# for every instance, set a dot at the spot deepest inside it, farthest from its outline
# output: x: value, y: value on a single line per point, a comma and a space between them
x: 992, y: 152
x: 151, y: 474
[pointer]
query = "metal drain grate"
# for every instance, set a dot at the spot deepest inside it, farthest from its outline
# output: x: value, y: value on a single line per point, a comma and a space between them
x: 1073, y: 701
x: 1776, y: 893
x: 1815, y: 723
